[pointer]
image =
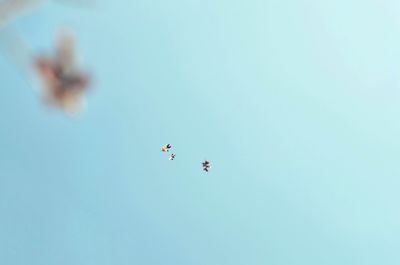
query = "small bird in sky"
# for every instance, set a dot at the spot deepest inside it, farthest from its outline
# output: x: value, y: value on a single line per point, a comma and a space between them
x: 172, y: 157
x: 206, y: 165
x: 166, y: 147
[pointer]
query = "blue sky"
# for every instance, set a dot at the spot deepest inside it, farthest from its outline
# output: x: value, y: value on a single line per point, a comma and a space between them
x: 295, y: 103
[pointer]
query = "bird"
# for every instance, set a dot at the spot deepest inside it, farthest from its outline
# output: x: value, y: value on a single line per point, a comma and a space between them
x: 206, y: 165
x: 166, y: 147
x: 64, y: 83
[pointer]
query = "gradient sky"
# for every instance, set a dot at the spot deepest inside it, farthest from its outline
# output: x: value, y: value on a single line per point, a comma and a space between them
x: 295, y: 103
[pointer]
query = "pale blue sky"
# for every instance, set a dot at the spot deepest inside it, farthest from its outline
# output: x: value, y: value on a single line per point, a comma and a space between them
x: 295, y: 103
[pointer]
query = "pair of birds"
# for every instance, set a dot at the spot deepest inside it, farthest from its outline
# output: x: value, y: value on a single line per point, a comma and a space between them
x: 165, y: 148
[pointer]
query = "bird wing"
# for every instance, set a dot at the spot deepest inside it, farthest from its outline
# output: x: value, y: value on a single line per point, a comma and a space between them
x: 65, y: 55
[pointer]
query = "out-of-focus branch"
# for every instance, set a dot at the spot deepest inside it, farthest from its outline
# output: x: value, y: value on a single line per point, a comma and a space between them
x: 10, y: 9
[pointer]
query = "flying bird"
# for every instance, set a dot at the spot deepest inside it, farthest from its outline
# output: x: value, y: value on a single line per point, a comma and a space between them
x: 172, y: 157
x: 206, y: 165
x: 166, y: 147
x: 64, y: 83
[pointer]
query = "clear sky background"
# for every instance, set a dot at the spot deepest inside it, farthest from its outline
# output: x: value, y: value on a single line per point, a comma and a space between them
x: 295, y: 103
